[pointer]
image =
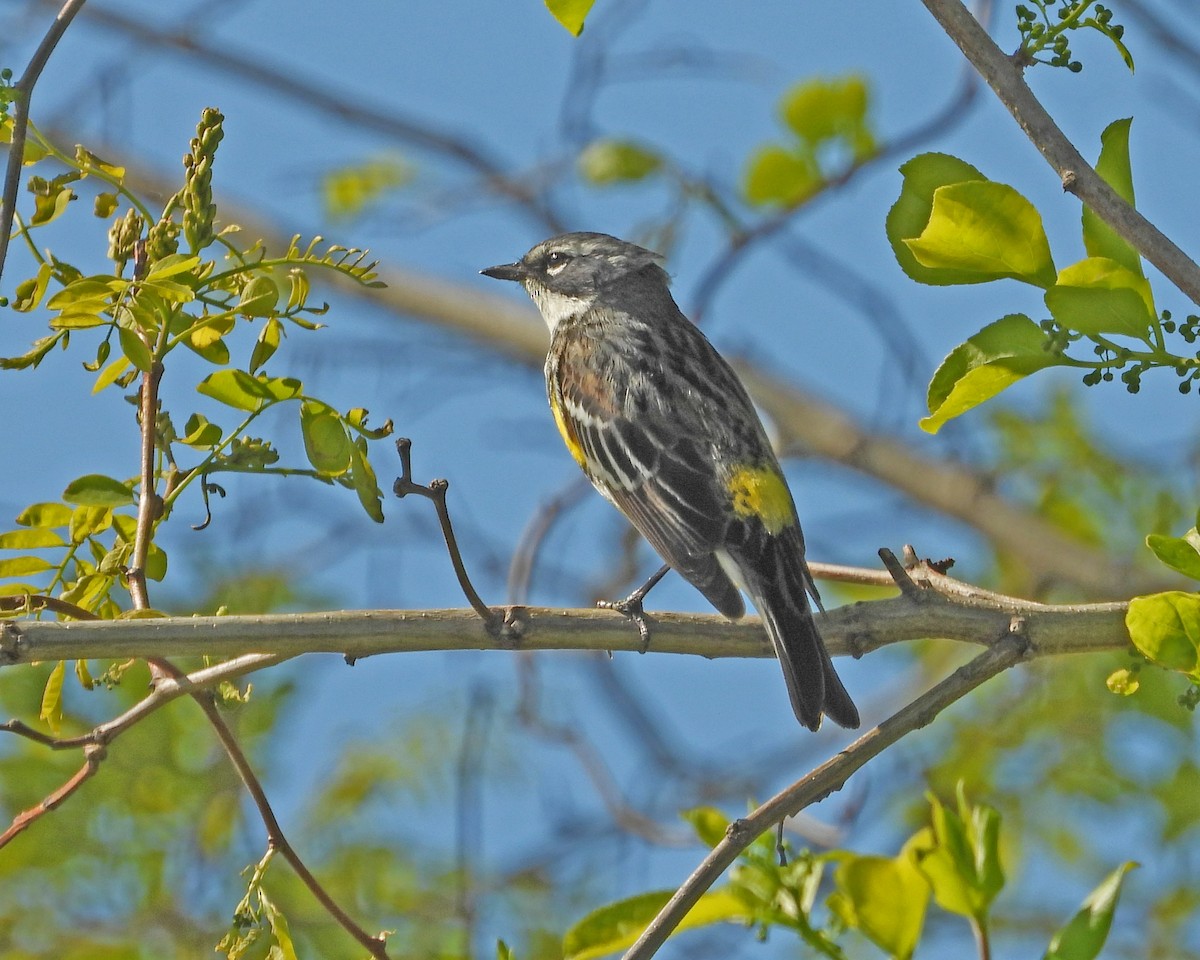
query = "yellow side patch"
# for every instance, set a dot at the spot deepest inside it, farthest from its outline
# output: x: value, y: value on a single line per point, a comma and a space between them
x: 761, y: 492
x: 568, y: 435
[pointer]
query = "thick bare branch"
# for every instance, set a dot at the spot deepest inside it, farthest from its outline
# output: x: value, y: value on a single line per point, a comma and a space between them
x: 856, y: 629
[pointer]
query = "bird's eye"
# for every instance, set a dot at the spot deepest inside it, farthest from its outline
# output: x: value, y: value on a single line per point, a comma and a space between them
x: 556, y: 260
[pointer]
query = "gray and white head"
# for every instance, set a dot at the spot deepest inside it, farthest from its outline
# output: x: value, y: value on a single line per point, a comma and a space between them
x: 567, y: 274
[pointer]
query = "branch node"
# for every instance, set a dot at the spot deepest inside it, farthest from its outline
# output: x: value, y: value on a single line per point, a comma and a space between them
x: 10, y: 642
x: 900, y: 574
x: 1069, y: 181
x: 512, y: 625
x: 1018, y: 627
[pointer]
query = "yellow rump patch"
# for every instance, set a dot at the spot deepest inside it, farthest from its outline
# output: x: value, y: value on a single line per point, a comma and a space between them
x: 569, y: 436
x: 762, y: 492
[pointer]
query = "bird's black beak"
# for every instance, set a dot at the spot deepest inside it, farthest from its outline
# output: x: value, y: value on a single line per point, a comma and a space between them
x: 505, y: 271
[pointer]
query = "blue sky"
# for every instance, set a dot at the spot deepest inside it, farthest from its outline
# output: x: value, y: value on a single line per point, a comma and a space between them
x: 500, y: 74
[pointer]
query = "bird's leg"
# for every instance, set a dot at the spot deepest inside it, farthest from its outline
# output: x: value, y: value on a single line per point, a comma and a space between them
x: 631, y: 606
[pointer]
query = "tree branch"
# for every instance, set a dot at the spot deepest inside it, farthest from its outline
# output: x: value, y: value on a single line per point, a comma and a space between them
x: 822, y: 781
x: 1005, y: 76
x: 20, y: 119
x: 943, y: 608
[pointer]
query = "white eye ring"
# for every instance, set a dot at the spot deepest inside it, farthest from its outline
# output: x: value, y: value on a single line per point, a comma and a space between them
x: 555, y: 262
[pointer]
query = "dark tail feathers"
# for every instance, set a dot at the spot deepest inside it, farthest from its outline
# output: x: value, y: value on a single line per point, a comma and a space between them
x: 813, y: 685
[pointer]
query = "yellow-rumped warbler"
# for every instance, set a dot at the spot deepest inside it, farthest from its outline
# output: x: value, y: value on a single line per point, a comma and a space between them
x: 664, y: 429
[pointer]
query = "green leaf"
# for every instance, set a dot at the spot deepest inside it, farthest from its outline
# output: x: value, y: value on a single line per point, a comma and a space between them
x: 1099, y: 296
x: 910, y: 213
x: 45, y: 515
x: 88, y: 521
x: 709, y: 823
x: 172, y: 265
x: 1123, y: 682
x: 267, y: 343
x: 200, y: 432
x: 111, y: 374
x: 999, y: 355
x: 1178, y: 553
x: 364, y: 481
x: 84, y: 675
x: 97, y: 490
x: 259, y: 297
x: 29, y: 292
x: 156, y: 563
x: 1165, y: 627
x: 52, y: 712
x: 1084, y: 935
x: 105, y: 205
x: 89, y: 294
x: 963, y: 863
x: 348, y: 190
x: 609, y: 161
x: 884, y: 899
x: 89, y: 162
x: 325, y: 439
x: 985, y: 231
x: 1099, y: 239
x: 50, y: 207
x: 21, y: 566
x: 570, y: 13
x: 135, y: 349
x: 618, y: 925
x: 819, y: 111
x: 240, y: 390
x: 33, y: 539
x: 779, y: 177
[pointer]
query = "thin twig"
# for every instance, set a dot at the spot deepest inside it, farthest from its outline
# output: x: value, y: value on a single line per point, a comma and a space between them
x: 375, y: 945
x: 436, y: 492
x: 149, y: 505
x: 20, y: 118
x: 92, y: 755
x: 822, y: 781
x: 1006, y: 78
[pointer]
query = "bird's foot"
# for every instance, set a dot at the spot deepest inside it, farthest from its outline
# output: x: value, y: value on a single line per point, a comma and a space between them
x: 631, y: 609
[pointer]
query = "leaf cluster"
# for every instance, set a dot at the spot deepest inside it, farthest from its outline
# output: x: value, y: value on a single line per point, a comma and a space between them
x: 952, y: 225
x: 952, y: 862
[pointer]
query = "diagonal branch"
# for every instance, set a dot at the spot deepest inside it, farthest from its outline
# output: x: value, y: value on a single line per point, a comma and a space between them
x: 20, y: 119
x: 822, y: 781
x: 1005, y: 76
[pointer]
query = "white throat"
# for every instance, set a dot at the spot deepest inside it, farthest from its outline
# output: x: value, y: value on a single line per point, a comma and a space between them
x: 556, y: 307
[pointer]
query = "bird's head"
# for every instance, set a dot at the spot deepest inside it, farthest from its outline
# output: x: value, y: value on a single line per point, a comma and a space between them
x: 567, y: 274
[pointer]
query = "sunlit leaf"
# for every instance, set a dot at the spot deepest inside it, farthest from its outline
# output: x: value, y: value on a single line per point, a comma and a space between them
x: 1099, y: 296
x: 1083, y: 937
x: 985, y: 231
x: 51, y: 712
x: 884, y: 899
x: 45, y: 515
x: 923, y: 175
x: 97, y: 490
x: 780, y: 177
x: 996, y: 357
x: 35, y: 538
x: 1165, y: 627
x: 570, y: 13
x: 23, y: 566
x: 1178, y: 553
x: 1099, y: 239
x: 610, y: 160
x: 618, y: 925
x: 325, y: 440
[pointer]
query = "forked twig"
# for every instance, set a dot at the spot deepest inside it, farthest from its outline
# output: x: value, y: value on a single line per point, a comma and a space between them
x: 436, y: 492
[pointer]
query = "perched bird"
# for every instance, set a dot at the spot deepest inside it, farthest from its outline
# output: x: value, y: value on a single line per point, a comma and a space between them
x: 664, y: 429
